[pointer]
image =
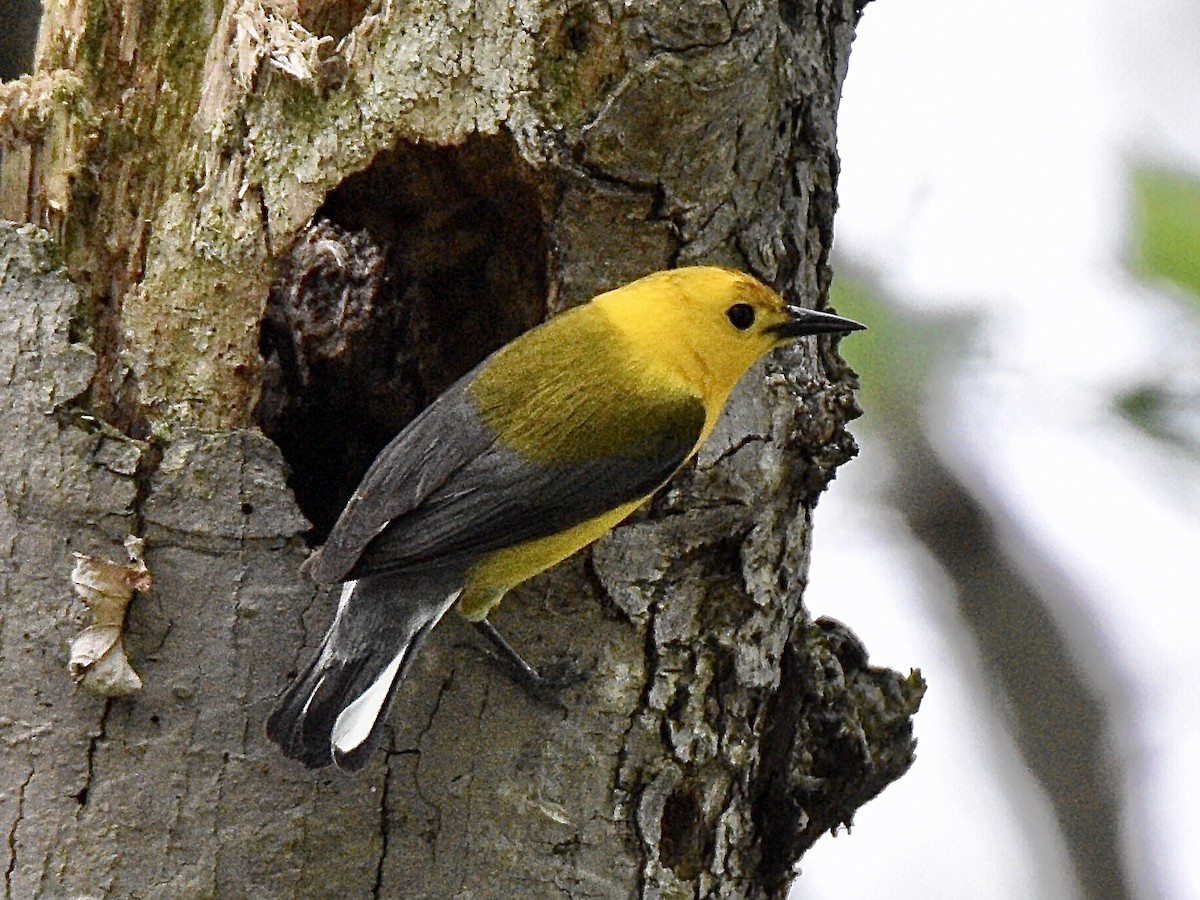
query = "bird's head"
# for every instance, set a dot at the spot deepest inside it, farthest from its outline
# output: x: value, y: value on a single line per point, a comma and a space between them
x: 711, y: 324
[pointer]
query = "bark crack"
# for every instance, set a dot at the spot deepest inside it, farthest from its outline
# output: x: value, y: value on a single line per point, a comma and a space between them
x: 652, y: 188
x: 377, y: 887
x: 445, y: 686
x: 662, y: 49
x: 93, y: 744
x: 220, y: 845
x: 469, y: 818
x: 12, y: 834
x: 740, y: 444
x: 644, y: 705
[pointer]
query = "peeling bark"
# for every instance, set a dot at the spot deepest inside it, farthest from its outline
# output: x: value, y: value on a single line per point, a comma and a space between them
x: 469, y: 169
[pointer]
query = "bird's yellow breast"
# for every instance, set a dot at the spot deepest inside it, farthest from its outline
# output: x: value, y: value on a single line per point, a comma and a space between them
x: 571, y: 392
x: 498, y: 572
x: 575, y: 390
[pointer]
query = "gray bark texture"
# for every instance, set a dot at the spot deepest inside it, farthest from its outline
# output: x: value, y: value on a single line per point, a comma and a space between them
x: 346, y: 207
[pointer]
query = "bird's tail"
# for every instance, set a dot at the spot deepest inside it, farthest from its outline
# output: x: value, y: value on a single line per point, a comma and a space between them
x: 335, y: 709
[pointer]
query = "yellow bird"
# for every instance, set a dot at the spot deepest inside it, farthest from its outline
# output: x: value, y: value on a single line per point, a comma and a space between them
x: 536, y: 452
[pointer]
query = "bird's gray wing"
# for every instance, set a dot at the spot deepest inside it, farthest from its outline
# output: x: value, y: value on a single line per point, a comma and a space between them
x: 500, y: 499
x: 473, y: 500
x: 426, y: 454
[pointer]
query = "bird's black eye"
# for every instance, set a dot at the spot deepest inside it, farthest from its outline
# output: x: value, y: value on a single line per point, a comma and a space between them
x: 741, y: 315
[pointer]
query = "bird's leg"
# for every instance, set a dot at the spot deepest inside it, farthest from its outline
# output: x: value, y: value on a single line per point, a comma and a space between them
x: 527, y: 674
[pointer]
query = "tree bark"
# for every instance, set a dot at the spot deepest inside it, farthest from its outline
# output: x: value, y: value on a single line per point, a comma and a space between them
x: 283, y: 228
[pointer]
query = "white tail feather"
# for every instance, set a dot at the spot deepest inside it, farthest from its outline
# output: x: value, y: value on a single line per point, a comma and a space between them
x: 354, y: 724
x: 347, y: 592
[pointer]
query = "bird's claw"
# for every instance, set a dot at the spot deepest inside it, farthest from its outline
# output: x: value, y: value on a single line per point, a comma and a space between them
x: 552, y: 678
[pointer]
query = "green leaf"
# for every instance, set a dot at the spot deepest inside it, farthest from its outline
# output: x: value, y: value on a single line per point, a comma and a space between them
x: 1166, y: 227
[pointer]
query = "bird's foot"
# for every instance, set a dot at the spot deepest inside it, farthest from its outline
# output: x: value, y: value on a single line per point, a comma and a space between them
x: 550, y: 679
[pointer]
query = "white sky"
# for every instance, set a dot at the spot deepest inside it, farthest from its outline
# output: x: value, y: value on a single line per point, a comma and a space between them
x: 984, y: 150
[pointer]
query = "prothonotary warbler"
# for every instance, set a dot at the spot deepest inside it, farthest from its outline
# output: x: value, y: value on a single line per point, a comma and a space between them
x: 536, y: 452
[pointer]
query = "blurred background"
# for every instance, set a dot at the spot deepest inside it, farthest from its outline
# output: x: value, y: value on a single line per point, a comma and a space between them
x: 1020, y: 227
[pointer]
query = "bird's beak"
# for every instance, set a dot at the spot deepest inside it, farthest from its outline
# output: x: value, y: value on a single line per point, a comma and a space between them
x: 801, y: 322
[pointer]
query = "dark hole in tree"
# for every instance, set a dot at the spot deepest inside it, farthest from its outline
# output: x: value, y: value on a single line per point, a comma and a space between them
x: 412, y: 272
x: 686, y: 841
x: 18, y: 38
x: 335, y: 19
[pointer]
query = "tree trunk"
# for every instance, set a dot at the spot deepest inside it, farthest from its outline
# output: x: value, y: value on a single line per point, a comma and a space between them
x: 283, y: 228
